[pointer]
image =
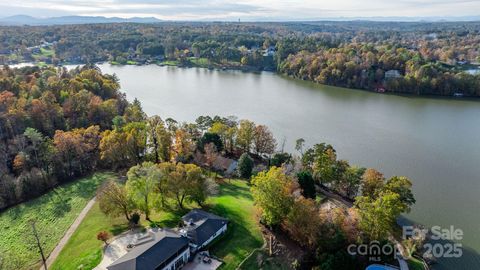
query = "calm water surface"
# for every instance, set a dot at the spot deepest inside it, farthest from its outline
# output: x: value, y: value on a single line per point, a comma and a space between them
x: 435, y: 142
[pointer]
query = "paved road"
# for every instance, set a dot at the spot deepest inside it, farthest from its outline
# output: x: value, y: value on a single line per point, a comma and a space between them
x: 68, y: 234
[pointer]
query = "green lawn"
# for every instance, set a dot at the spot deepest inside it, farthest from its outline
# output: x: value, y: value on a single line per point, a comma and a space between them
x: 49, y: 52
x: 170, y: 63
x: 44, y: 54
x: 234, y: 201
x: 201, y: 62
x: 54, y: 212
x: 83, y: 250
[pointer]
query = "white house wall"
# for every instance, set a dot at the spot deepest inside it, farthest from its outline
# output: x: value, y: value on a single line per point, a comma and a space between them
x: 185, y: 255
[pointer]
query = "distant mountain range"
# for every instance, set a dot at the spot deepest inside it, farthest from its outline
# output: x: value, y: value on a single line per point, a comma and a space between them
x: 29, y: 20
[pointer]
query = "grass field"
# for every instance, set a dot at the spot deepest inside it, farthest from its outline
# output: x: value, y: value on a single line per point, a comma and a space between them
x: 49, y: 52
x: 200, y: 62
x: 53, y: 212
x: 83, y: 250
x: 44, y: 53
x: 234, y: 202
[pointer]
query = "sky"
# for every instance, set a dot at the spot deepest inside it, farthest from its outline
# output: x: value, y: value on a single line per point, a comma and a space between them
x: 246, y: 10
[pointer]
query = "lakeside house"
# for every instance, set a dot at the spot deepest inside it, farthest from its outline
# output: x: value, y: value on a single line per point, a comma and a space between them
x: 168, y: 249
x: 392, y: 74
x: 202, y: 228
x: 165, y: 250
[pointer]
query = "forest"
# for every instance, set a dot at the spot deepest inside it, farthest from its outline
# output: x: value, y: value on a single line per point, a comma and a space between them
x: 50, y: 126
x: 412, y: 58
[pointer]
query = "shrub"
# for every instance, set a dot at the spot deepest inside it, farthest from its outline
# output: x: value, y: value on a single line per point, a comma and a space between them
x: 279, y: 159
x: 135, y: 218
x: 103, y: 236
x: 245, y: 166
x: 307, y: 184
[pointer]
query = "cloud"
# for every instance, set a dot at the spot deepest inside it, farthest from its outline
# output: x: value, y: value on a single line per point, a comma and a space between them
x: 245, y: 9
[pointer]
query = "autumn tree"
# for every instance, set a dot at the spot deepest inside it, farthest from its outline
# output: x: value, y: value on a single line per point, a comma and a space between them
x: 221, y: 130
x: 372, y: 182
x: 378, y: 215
x: 263, y: 140
x: 183, y: 145
x: 245, y: 135
x: 103, y: 236
x: 113, y: 200
x: 160, y: 139
x: 134, y: 112
x: 113, y: 150
x: 321, y: 160
x: 402, y: 186
x: 77, y: 150
x: 211, y: 154
x: 183, y: 182
x: 303, y: 222
x: 142, y: 186
x: 136, y: 139
x: 272, y: 193
x: 348, y: 179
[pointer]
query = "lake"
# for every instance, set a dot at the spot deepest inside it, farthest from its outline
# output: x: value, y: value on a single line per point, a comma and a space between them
x: 435, y: 142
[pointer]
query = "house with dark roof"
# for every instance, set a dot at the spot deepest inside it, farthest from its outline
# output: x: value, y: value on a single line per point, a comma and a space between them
x: 202, y: 228
x: 166, y: 249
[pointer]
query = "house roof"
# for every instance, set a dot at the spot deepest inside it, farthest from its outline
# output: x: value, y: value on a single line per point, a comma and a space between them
x: 150, y: 255
x: 202, y: 225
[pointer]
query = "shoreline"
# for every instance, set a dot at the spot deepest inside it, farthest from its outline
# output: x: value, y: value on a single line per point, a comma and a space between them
x: 250, y: 69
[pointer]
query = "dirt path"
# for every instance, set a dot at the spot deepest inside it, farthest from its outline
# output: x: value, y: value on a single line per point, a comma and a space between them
x: 68, y: 234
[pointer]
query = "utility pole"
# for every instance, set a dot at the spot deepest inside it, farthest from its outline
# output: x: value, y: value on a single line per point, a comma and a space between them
x: 39, y: 245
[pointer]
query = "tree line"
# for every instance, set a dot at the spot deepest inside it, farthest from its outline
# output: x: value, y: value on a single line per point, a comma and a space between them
x: 426, y: 58
x: 367, y: 66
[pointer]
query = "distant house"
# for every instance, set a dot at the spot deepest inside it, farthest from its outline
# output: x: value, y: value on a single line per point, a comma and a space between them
x: 392, y: 74
x: 167, y: 249
x: 270, y: 51
x: 36, y: 50
x: 202, y: 228
x: 220, y: 163
x: 224, y: 164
